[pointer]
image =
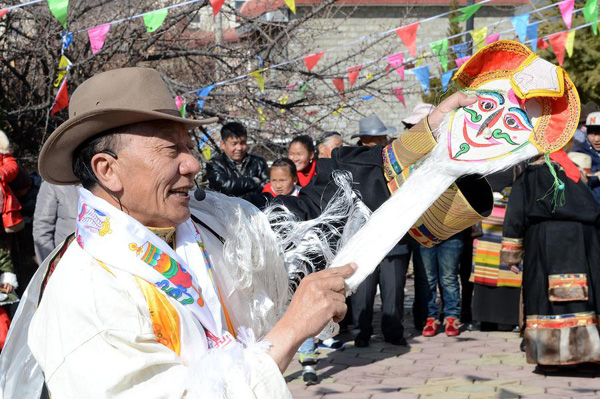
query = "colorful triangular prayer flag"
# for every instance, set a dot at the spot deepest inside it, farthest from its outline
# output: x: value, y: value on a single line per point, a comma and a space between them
x: 59, y: 9
x: 67, y: 39
x: 590, y: 13
x: 260, y: 79
x: 479, y: 36
x: 291, y: 5
x: 446, y: 78
x: 422, y: 74
x: 460, y: 61
x: 396, y: 61
x: 3, y: 12
x: 216, y: 6
x: 408, y: 35
x: 63, y: 66
x: 353, y: 74
x: 153, y: 20
x: 312, y: 60
x: 520, y: 23
x: 61, y: 100
x: 97, y: 35
x: 460, y: 49
x: 203, y: 94
x: 494, y: 37
x: 397, y: 92
x: 532, y: 35
x: 570, y: 43
x: 542, y: 44
x: 467, y: 12
x: 559, y: 42
x: 207, y: 152
x: 566, y: 10
x: 440, y: 48
x: 339, y: 85
x: 180, y: 103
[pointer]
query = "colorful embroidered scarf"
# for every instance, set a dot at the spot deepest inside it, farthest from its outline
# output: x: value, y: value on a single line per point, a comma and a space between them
x: 115, y: 238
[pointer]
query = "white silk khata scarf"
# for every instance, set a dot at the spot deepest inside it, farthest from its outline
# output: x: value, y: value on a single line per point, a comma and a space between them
x: 184, y: 274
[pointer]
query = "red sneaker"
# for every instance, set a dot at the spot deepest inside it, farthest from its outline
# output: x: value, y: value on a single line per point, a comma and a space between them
x: 431, y: 326
x: 451, y: 326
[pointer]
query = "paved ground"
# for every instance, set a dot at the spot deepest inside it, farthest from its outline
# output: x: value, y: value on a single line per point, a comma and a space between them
x: 474, y: 365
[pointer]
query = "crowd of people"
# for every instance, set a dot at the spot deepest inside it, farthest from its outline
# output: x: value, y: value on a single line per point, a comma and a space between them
x: 532, y: 262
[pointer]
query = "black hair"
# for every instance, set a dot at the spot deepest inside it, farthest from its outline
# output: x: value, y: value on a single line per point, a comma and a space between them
x: 306, y: 141
x: 233, y: 130
x: 82, y: 156
x: 595, y: 129
x: 285, y: 163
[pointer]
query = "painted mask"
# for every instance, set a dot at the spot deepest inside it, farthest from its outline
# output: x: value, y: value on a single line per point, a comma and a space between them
x: 496, y: 125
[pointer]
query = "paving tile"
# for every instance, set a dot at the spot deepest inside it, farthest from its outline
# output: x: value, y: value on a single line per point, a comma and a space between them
x: 420, y: 356
x: 593, y: 383
x: 444, y: 395
x: 395, y: 395
x: 472, y: 388
x: 500, y: 382
x: 455, y: 369
x: 547, y: 382
x: 404, y: 382
x: 329, y: 388
x: 352, y: 361
x: 520, y: 390
x: 425, y: 389
x: 306, y: 395
x: 479, y: 362
x: 430, y: 374
x: 572, y: 391
x: 543, y: 396
x: 448, y: 381
x: 373, y: 389
x: 346, y: 395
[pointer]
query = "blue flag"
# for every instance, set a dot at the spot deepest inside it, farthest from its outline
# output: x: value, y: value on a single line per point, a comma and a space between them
x: 203, y: 93
x: 460, y: 50
x: 446, y: 77
x: 422, y: 73
x: 520, y: 24
x: 532, y: 35
x: 67, y: 39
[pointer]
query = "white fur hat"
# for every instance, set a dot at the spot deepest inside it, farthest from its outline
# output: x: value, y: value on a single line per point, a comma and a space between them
x: 4, y: 143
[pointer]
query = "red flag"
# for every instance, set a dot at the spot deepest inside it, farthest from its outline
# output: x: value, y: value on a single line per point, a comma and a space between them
x: 542, y: 44
x: 62, y: 98
x: 216, y: 6
x: 397, y: 92
x: 3, y: 12
x: 353, y: 74
x: 339, y: 85
x: 408, y: 35
x: 312, y: 60
x: 559, y: 42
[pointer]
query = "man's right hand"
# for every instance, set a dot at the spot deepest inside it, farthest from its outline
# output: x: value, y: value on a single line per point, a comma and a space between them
x: 319, y: 298
x: 457, y: 100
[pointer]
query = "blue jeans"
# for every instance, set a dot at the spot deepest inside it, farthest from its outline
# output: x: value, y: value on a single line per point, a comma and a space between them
x: 308, y: 347
x: 441, y: 265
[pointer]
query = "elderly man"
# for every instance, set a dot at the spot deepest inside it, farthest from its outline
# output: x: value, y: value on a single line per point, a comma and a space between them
x: 328, y: 142
x: 138, y: 303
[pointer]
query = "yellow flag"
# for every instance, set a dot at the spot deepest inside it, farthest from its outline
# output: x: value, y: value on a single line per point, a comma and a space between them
x: 260, y: 79
x: 283, y: 100
x: 570, y: 43
x: 421, y: 59
x: 479, y: 36
x: 63, y: 64
x: 369, y: 76
x: 291, y: 4
x: 261, y: 117
x: 338, y: 111
x: 206, y: 152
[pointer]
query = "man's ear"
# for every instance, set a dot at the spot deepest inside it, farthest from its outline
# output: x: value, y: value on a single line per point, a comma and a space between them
x: 223, y: 144
x: 106, y: 169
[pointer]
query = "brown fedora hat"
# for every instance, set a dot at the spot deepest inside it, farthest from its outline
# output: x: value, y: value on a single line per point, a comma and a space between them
x: 106, y: 101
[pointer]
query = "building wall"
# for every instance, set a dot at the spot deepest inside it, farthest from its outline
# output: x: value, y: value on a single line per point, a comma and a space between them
x: 352, y: 23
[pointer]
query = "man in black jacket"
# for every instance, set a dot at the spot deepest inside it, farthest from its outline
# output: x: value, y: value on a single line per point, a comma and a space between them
x: 235, y: 172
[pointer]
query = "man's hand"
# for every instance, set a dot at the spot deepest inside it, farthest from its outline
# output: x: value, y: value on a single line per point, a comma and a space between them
x: 457, y: 100
x: 319, y: 298
x: 6, y: 288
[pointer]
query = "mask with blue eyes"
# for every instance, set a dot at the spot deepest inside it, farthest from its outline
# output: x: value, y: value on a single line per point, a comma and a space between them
x: 498, y: 124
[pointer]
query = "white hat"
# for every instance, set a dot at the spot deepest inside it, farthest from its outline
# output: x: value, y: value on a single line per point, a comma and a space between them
x: 593, y: 119
x: 580, y: 159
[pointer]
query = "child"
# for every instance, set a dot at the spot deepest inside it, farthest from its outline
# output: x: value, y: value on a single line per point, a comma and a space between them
x: 8, y: 284
x: 283, y: 176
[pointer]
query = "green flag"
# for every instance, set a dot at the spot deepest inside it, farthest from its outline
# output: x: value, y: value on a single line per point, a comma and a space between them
x: 590, y: 12
x: 59, y: 9
x: 467, y: 12
x: 154, y: 19
x: 440, y: 48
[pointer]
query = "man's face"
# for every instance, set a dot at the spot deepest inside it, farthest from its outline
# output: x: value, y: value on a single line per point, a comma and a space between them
x: 331, y: 144
x: 593, y: 135
x: 497, y: 124
x: 372, y: 141
x: 282, y: 181
x: 235, y: 148
x: 156, y: 168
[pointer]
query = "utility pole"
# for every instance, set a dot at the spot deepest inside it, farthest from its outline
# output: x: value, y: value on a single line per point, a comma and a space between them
x: 470, y: 27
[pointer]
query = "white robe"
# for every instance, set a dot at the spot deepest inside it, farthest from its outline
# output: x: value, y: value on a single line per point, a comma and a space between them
x: 93, y: 337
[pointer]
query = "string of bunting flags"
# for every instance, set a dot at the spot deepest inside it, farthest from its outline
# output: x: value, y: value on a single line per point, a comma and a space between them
x: 561, y: 42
